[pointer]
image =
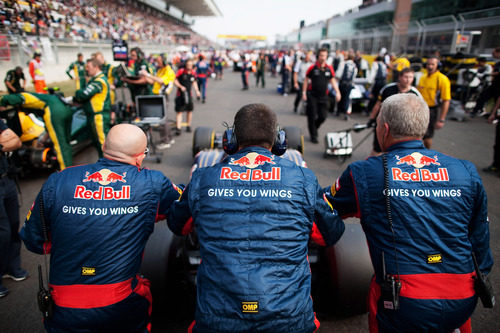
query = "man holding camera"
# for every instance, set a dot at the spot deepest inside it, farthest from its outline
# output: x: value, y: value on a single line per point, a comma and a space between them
x: 425, y: 216
x: 10, y: 243
x: 254, y: 214
x: 95, y: 221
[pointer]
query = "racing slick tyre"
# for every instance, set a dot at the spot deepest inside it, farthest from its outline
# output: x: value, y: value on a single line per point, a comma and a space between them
x: 351, y: 269
x: 158, y: 261
x: 294, y: 137
x: 203, y: 138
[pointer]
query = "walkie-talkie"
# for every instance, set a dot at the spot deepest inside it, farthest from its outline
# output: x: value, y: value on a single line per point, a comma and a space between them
x: 45, y: 302
x: 482, y: 286
x: 390, y: 289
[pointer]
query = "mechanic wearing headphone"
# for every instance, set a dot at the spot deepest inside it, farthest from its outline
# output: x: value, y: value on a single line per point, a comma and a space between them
x: 422, y: 235
x: 253, y: 214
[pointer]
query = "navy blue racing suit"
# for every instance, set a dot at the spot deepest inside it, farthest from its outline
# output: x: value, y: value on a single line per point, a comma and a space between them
x: 99, y: 218
x: 439, y: 212
x: 254, y: 215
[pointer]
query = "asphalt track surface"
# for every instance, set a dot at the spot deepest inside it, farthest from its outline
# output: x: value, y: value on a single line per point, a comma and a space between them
x: 472, y: 140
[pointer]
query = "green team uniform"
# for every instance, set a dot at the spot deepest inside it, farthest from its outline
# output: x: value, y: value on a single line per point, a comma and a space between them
x: 107, y: 69
x: 76, y: 71
x: 56, y: 115
x: 140, y: 89
x: 15, y: 80
x: 97, y: 106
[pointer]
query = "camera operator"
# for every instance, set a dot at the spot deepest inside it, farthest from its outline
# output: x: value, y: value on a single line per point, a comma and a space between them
x: 254, y: 214
x: 10, y: 243
x: 421, y: 235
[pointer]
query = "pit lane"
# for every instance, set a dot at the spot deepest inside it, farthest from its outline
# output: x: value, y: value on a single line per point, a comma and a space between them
x: 472, y: 140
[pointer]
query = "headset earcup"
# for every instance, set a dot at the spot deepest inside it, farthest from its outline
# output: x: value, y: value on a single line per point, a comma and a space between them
x: 280, y: 144
x: 229, y: 142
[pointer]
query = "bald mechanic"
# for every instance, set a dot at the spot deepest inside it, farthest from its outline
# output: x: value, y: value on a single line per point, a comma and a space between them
x: 99, y: 218
x: 254, y: 214
x: 426, y: 230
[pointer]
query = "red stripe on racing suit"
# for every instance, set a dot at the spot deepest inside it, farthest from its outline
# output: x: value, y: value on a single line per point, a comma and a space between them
x: 83, y: 296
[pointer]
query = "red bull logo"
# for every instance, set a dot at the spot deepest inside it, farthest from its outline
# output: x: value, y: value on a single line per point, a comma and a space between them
x: 103, y: 193
x: 227, y: 173
x: 104, y: 177
x: 417, y: 160
x: 252, y: 160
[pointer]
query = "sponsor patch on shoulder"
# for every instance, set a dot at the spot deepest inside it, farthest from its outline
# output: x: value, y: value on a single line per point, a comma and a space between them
x: 88, y: 271
x: 434, y: 258
x: 250, y: 307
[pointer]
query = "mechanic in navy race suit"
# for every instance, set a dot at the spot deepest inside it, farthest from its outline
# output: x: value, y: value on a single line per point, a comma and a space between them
x: 99, y: 218
x: 439, y: 211
x: 254, y: 214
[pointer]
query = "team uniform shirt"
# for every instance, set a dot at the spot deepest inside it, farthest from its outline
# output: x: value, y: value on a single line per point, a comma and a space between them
x: 202, y: 69
x: 76, y: 70
x: 393, y: 89
x: 254, y: 214
x: 15, y: 81
x: 98, y: 217
x: 167, y: 74
x: 378, y: 72
x: 95, y: 95
x: 347, y: 72
x: 301, y: 68
x: 319, y: 78
x: 434, y: 88
x: 439, y: 213
x: 186, y: 79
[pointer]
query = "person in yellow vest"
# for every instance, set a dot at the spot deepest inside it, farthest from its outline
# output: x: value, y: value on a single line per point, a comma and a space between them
x: 36, y: 72
x: 163, y: 84
x: 435, y: 88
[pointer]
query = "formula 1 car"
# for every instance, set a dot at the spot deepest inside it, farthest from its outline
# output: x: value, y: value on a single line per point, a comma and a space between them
x: 37, y: 151
x: 340, y: 273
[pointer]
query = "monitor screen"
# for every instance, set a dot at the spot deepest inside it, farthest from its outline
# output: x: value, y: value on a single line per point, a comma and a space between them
x: 151, y: 107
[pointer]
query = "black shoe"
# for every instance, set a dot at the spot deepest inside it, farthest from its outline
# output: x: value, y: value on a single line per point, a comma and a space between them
x: 177, y: 131
x: 295, y: 110
x: 314, y: 140
x: 492, y: 169
x: 188, y: 129
x: 203, y: 101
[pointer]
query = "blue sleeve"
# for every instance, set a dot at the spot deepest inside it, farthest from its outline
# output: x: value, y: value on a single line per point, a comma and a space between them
x: 179, y: 215
x: 342, y: 194
x: 329, y: 223
x: 479, y: 233
x: 168, y: 195
x: 32, y: 232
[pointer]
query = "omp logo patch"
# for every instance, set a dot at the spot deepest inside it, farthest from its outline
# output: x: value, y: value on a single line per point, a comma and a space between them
x: 434, y: 258
x: 88, y: 271
x: 250, y: 307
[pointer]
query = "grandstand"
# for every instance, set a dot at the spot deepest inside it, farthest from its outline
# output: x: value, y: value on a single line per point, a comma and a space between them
x: 406, y: 26
x: 144, y: 21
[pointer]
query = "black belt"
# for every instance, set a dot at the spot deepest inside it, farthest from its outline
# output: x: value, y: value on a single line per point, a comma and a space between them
x: 4, y: 175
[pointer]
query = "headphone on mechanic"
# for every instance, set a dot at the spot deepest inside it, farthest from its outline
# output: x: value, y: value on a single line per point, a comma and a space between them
x: 230, y: 142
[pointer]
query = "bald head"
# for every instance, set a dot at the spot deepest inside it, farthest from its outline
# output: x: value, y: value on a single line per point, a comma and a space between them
x: 124, y: 143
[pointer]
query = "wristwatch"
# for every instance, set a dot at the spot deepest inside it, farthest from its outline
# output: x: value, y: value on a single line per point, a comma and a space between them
x: 442, y: 121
